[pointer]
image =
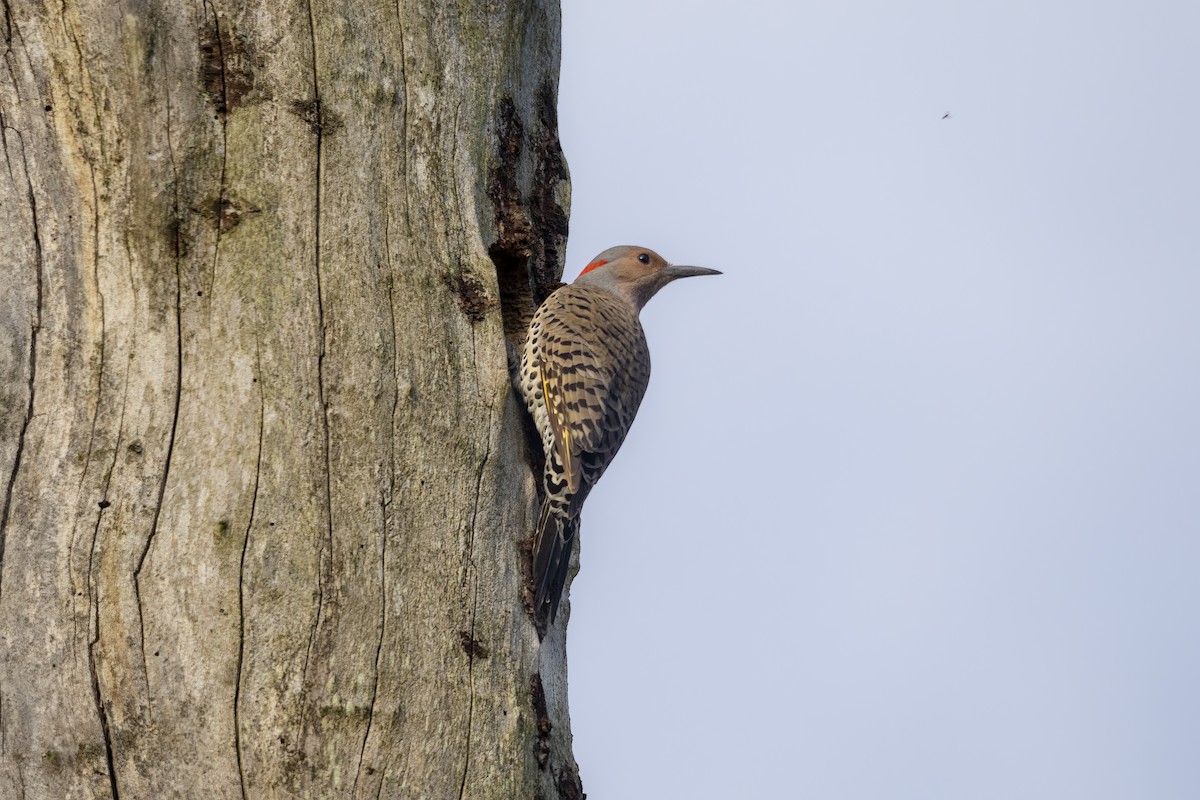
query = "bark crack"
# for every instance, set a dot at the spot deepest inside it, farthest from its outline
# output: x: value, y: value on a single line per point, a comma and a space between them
x: 108, y: 747
x: 4, y: 143
x: 94, y: 599
x: 70, y: 33
x: 472, y: 651
x: 35, y: 326
x: 4, y: 136
x: 237, y: 686
x: 462, y: 786
x: 8, y: 27
x: 326, y: 556
x: 386, y: 494
x: 458, y: 203
x: 162, y: 485
x: 11, y: 30
x: 87, y: 462
x: 385, y: 502
x: 21, y: 779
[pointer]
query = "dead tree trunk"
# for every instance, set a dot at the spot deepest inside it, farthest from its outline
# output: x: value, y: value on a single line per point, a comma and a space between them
x: 263, y: 481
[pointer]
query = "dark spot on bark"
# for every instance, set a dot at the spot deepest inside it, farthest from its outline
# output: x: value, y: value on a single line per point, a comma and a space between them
x: 550, y: 220
x: 227, y: 65
x: 471, y: 295
x: 321, y: 120
x: 174, y: 234
x: 529, y: 587
x: 472, y: 646
x: 104, y: 504
x: 569, y: 786
x: 223, y: 527
x: 513, y: 246
x: 48, y: 107
x: 229, y: 214
x: 541, y: 747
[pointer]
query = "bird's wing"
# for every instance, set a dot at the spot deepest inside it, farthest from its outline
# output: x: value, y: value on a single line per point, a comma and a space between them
x: 593, y: 366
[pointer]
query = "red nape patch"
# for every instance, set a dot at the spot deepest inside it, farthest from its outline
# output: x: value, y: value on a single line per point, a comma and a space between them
x: 593, y: 265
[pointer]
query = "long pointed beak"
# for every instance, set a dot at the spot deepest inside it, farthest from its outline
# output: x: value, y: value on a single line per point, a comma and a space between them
x: 682, y: 271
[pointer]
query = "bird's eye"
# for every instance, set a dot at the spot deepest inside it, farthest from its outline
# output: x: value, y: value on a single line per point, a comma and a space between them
x: 644, y: 258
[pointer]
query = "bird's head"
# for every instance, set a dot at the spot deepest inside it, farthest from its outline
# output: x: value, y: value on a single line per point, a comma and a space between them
x: 635, y: 273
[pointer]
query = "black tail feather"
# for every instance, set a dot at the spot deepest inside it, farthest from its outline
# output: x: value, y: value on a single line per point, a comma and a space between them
x: 551, y: 559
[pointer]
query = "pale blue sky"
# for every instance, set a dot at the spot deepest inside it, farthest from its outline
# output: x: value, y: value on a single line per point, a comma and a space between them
x: 912, y: 507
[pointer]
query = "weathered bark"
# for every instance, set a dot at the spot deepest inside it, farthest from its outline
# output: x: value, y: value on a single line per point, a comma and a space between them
x: 264, y: 485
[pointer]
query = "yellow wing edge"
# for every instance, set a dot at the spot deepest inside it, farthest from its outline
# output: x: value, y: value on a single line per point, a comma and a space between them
x: 562, y: 435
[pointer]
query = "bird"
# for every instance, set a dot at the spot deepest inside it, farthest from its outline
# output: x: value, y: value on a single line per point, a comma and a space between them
x: 946, y: 115
x: 583, y: 372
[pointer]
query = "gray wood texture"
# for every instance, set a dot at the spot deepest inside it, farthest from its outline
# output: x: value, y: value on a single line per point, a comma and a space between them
x: 265, y: 487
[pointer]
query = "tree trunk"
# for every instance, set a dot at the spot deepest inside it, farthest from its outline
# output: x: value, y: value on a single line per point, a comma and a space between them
x: 264, y: 485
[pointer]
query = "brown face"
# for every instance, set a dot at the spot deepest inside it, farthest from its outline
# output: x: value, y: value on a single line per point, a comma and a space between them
x: 643, y: 272
x: 636, y: 265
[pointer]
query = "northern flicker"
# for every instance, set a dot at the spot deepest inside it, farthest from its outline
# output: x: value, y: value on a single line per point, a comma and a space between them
x: 582, y: 375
